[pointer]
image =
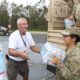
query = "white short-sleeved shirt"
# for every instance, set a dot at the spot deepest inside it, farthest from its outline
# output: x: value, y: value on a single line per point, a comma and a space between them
x: 16, y: 43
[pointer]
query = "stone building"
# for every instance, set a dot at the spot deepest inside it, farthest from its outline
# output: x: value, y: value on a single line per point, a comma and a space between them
x: 57, y: 11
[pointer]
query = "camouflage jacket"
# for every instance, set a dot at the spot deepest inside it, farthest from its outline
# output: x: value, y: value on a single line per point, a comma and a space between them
x: 71, y: 65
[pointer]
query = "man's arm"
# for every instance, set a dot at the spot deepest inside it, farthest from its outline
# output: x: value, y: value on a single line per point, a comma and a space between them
x: 35, y: 49
x: 14, y: 53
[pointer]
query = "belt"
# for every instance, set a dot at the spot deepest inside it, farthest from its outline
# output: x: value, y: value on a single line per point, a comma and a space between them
x: 17, y: 61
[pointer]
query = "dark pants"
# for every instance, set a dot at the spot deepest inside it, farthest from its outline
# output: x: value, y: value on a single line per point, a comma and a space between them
x: 51, y: 69
x: 15, y: 67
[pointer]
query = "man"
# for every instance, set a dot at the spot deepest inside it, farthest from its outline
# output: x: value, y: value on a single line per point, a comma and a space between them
x: 20, y: 42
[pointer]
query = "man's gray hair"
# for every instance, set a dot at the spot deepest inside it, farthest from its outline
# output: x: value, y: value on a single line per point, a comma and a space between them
x: 20, y: 19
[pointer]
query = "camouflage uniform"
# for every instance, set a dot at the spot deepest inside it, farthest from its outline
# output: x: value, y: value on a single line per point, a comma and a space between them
x: 76, y: 2
x: 71, y: 66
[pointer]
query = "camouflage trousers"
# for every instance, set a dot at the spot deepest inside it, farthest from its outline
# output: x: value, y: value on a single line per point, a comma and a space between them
x: 15, y: 67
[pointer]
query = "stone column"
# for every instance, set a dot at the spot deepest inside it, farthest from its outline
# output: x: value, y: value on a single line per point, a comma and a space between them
x: 57, y: 11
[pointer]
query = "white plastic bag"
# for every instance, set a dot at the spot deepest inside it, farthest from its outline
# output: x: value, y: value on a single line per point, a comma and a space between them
x: 50, y: 50
x: 3, y: 75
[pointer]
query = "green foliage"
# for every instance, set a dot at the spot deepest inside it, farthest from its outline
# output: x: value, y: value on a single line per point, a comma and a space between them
x: 4, y: 16
x: 33, y: 14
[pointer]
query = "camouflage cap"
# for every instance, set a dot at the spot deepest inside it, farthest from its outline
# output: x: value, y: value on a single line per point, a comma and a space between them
x: 72, y: 30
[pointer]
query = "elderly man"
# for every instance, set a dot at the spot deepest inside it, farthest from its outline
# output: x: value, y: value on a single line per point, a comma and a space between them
x: 20, y: 42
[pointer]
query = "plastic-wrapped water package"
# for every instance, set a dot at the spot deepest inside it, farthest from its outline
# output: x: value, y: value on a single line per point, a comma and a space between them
x: 3, y: 75
x: 51, y: 51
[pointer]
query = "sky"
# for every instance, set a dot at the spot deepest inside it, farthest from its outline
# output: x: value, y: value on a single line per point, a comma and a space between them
x: 25, y: 2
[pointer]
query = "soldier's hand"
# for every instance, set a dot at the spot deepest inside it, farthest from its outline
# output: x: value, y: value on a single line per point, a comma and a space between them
x: 61, y: 65
x: 55, y: 60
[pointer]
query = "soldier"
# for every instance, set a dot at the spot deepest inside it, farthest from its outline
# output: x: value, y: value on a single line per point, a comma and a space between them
x: 70, y: 68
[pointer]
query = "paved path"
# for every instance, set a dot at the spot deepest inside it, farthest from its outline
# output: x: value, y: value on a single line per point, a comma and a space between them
x: 37, y: 68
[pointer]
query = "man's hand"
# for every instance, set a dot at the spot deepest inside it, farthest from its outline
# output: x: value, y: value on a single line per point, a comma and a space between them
x: 24, y: 55
x: 35, y: 49
x: 21, y: 54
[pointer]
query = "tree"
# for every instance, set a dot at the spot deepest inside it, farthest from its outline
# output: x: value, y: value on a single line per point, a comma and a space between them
x: 4, y: 16
x: 16, y: 13
x: 40, y: 3
x: 42, y: 23
x: 42, y: 12
x: 33, y: 14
